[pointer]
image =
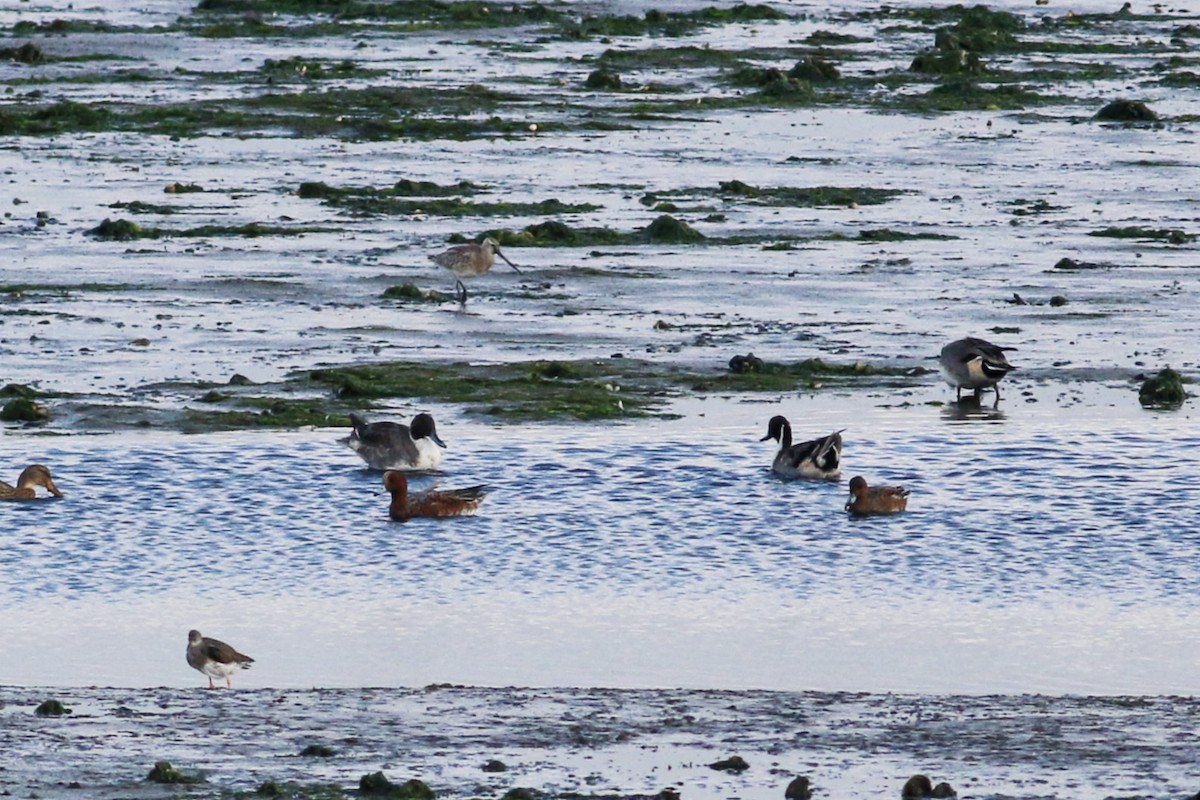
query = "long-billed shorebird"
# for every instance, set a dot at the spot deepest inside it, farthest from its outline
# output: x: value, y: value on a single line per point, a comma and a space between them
x: 468, y: 260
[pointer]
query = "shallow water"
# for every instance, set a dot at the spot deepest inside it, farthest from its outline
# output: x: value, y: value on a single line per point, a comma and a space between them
x: 1041, y: 552
x: 1048, y: 549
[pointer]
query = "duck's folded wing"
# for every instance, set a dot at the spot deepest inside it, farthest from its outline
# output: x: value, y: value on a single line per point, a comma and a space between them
x: 470, y: 494
x: 824, y: 452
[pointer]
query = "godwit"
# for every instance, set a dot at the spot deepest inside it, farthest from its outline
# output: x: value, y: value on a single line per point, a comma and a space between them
x: 466, y: 260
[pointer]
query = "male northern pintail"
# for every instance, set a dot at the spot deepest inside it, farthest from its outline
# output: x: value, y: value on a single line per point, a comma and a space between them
x: 867, y: 500
x: 31, y: 477
x: 393, y: 445
x: 975, y: 364
x: 818, y: 458
x: 432, y: 503
x: 214, y: 658
x: 467, y: 260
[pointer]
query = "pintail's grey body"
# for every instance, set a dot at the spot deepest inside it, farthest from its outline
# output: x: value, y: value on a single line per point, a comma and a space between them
x: 974, y: 364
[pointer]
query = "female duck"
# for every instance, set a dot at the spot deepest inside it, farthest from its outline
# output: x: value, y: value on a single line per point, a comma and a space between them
x: 32, y: 476
x: 445, y: 503
x: 819, y: 458
x: 865, y: 501
x: 392, y: 445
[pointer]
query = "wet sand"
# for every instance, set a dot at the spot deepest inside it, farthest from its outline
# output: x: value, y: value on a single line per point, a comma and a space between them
x: 596, y: 742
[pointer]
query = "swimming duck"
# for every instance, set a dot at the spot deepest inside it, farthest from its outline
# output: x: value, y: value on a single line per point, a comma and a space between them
x: 433, y: 503
x: 972, y: 363
x: 865, y: 501
x: 392, y: 445
x: 31, y: 476
x: 818, y: 458
x: 214, y: 658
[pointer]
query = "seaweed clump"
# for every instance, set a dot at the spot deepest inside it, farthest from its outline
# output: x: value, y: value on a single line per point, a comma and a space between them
x: 28, y: 53
x: 604, y: 79
x: 1127, y: 111
x: 979, y: 29
x: 23, y: 409
x: 51, y: 708
x: 1164, y: 390
x: 734, y: 764
x: 667, y: 229
x: 377, y: 784
x: 775, y: 84
x: 815, y: 70
x: 163, y: 772
x: 410, y: 291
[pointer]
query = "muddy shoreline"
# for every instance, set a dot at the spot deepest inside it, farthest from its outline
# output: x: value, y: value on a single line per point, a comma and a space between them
x: 594, y: 742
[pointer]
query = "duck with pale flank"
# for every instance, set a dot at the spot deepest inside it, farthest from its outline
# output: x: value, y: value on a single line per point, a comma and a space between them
x: 870, y: 500
x: 432, y: 503
x: 393, y: 445
x: 817, y: 458
x: 468, y: 260
x: 214, y: 658
x: 974, y: 364
x: 26, y: 489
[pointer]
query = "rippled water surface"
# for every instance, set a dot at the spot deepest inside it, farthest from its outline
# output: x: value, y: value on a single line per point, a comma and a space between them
x: 1052, y: 546
x: 1038, y: 554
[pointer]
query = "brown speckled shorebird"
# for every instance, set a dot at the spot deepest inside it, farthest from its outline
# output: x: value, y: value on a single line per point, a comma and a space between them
x: 215, y: 658
x: 467, y: 260
x: 32, y: 476
x: 865, y: 501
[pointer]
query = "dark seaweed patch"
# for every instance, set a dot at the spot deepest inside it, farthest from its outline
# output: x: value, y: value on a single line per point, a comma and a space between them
x: 367, y: 200
x: 804, y: 197
x: 1169, y: 235
x: 123, y: 230
x: 65, y: 117
x: 1164, y: 390
x: 664, y: 229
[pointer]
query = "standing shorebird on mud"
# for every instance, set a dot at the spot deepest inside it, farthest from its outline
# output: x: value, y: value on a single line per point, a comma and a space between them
x: 467, y: 260
x: 214, y: 658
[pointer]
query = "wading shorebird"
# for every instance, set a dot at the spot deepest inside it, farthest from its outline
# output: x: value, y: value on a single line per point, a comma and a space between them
x: 818, y: 458
x: 393, y: 445
x: 865, y: 501
x: 468, y: 260
x: 976, y: 364
x: 215, y: 658
x: 433, y: 503
x: 32, y: 476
